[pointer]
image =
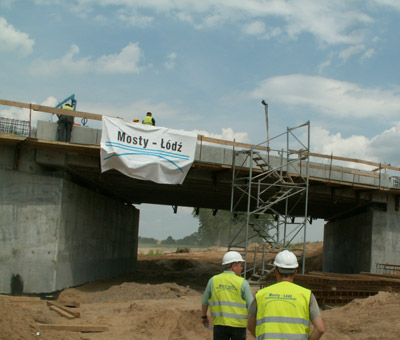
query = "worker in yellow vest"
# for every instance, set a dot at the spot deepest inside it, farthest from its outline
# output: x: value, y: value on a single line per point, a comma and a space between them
x: 65, y: 123
x: 149, y: 120
x: 284, y: 310
x: 228, y: 295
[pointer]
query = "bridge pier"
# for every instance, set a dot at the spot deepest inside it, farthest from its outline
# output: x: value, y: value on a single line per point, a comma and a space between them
x: 55, y: 233
x: 358, y: 243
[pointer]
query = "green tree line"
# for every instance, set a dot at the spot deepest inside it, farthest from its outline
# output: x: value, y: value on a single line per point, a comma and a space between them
x: 215, y: 229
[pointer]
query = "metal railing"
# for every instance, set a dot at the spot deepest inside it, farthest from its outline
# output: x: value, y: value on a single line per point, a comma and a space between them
x: 15, y: 126
x: 388, y: 269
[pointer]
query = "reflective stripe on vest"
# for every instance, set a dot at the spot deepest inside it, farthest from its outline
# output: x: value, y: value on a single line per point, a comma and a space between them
x: 226, y: 304
x: 148, y: 120
x: 283, y: 312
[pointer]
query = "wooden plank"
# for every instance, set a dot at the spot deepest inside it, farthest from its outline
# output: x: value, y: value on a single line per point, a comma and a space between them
x: 73, y: 328
x: 66, y: 112
x: 48, y: 109
x: 355, y: 160
x: 202, y: 138
x: 16, y: 104
x: 71, y: 311
x: 28, y: 299
x: 11, y: 139
x: 62, y: 312
x: 391, y: 277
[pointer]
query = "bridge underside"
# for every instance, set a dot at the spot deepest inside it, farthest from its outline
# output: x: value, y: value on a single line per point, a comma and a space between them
x: 206, y: 186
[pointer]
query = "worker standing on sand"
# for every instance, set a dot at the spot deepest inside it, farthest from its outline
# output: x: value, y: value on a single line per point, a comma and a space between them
x: 284, y: 309
x: 149, y: 120
x: 228, y: 296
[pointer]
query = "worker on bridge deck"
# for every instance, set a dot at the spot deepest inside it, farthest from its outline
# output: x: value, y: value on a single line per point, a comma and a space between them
x: 284, y: 310
x: 228, y: 296
x: 149, y: 120
x: 65, y: 123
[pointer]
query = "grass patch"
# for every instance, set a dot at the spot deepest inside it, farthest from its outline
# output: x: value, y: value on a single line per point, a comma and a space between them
x: 152, y: 245
x: 152, y: 252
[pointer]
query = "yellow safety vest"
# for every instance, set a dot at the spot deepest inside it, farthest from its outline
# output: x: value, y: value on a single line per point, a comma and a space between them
x: 148, y: 120
x: 283, y: 312
x: 226, y: 304
x: 66, y: 107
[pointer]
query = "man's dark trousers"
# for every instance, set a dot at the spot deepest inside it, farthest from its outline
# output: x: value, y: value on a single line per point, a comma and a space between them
x: 229, y: 333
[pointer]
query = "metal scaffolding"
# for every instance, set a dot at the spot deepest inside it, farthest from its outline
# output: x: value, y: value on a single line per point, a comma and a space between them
x: 270, y: 187
x: 15, y: 126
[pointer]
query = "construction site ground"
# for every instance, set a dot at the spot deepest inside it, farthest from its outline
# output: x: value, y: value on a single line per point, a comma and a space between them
x: 162, y: 300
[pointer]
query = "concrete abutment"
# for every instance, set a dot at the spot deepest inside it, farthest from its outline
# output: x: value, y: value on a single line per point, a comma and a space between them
x: 56, y: 234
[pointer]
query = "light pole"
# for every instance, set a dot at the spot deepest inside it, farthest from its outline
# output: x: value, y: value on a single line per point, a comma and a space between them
x: 266, y: 119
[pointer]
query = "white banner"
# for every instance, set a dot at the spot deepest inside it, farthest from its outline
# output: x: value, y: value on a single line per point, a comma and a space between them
x: 147, y: 152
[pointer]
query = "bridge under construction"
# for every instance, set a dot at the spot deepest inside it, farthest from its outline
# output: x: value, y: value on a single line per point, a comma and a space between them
x: 64, y: 222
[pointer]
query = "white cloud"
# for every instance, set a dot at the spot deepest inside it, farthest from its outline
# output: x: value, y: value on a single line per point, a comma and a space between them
x: 135, y: 19
x: 324, y: 65
x: 322, y: 141
x: 127, y: 61
x: 255, y: 28
x: 350, y: 51
x: 170, y: 63
x: 273, y: 32
x: 14, y: 40
x: 382, y: 148
x: 330, y: 21
x: 101, y: 19
x: 386, y: 145
x: 330, y: 97
x: 369, y: 53
x: 226, y: 134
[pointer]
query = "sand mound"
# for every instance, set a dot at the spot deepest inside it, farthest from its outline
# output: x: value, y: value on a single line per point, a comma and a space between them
x: 373, y: 318
x: 159, y: 302
x: 19, y: 323
x: 127, y: 291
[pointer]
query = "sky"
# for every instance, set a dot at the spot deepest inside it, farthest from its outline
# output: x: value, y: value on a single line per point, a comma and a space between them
x: 205, y: 66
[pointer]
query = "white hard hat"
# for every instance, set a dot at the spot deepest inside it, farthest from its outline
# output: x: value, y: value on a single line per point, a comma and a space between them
x: 286, y: 260
x: 232, y: 256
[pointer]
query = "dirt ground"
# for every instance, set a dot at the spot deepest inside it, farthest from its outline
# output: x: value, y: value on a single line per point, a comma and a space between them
x: 162, y: 301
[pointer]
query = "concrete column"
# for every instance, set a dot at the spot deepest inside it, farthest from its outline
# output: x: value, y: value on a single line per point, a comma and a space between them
x: 356, y: 244
x: 386, y: 236
x: 56, y: 234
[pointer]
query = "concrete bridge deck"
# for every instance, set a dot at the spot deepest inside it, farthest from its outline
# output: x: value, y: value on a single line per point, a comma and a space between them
x: 333, y: 190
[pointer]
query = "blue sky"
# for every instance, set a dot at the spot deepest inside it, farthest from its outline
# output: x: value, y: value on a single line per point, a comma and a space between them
x: 206, y: 65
